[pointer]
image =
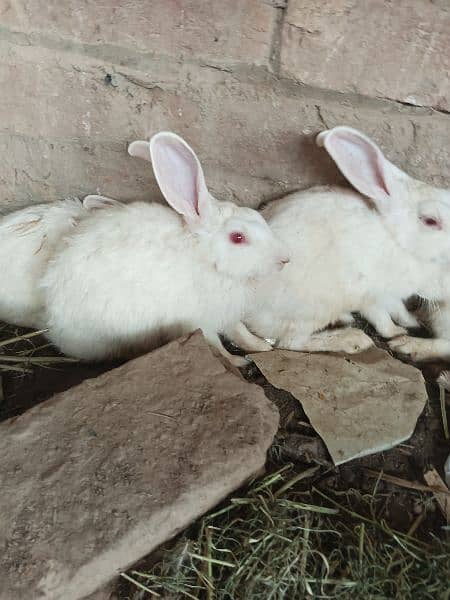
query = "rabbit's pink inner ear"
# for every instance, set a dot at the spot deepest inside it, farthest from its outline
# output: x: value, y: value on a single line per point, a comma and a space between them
x: 179, y: 174
x: 361, y: 162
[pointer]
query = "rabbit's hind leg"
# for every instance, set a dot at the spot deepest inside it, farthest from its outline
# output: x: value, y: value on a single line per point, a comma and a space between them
x: 379, y: 316
x: 248, y: 341
x: 421, y: 349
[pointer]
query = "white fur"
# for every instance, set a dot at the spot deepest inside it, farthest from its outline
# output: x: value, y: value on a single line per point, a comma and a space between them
x: 351, y: 254
x: 135, y: 276
x: 438, y: 320
x: 140, y: 149
x: 95, y: 202
x: 28, y: 239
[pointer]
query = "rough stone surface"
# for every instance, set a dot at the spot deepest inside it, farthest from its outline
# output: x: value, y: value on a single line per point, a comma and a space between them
x: 105, y: 593
x: 254, y: 136
x: 98, y: 476
x: 50, y: 156
x: 81, y: 80
x: 359, y: 404
x: 234, y: 31
x: 398, y: 50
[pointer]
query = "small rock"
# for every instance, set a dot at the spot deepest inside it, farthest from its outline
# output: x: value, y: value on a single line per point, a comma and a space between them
x: 98, y: 476
x: 417, y: 507
x: 304, y: 448
x: 447, y: 470
x: 359, y: 404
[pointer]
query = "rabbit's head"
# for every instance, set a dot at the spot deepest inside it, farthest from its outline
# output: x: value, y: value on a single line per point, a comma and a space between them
x: 417, y: 214
x: 237, y: 240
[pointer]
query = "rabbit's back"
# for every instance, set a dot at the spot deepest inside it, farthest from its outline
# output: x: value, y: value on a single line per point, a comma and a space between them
x: 338, y: 238
x: 27, y: 241
x: 130, y: 276
x: 332, y: 235
x: 342, y: 256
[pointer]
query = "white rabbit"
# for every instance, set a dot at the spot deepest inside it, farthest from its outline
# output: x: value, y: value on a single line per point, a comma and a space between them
x: 438, y: 320
x: 138, y: 275
x: 28, y: 238
x: 349, y: 254
x: 433, y: 208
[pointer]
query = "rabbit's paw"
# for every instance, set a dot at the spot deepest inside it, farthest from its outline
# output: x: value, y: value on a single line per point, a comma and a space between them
x: 245, y: 339
x: 418, y: 349
x: 239, y: 361
x: 353, y: 341
x: 349, y: 340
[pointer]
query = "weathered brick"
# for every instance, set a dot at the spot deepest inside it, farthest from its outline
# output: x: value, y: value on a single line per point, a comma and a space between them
x: 76, y: 116
x: 231, y: 31
x: 64, y: 128
x: 100, y: 475
x: 398, y: 50
x: 37, y: 170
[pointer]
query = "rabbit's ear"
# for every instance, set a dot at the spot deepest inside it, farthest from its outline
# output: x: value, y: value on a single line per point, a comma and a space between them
x: 362, y: 163
x: 320, y: 137
x: 140, y: 149
x: 180, y: 177
x: 94, y: 201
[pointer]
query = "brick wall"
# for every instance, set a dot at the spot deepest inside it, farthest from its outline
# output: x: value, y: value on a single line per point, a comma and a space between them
x: 246, y: 82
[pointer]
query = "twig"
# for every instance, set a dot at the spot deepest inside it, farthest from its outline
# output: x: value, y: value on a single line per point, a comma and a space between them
x: 140, y: 585
x: 443, y: 409
x: 19, y: 338
x: 36, y: 359
x: 412, y: 485
x: 209, y: 564
x: 303, y: 475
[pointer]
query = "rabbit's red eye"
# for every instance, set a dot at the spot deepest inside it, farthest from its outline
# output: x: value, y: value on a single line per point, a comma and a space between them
x: 236, y: 237
x: 431, y: 222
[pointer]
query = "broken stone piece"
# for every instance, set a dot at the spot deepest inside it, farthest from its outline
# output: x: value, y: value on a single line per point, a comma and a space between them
x: 447, y: 470
x: 359, y: 404
x: 434, y: 480
x: 98, y: 476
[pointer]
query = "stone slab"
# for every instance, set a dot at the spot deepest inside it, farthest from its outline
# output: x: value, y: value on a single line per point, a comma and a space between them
x: 359, y: 404
x: 398, y: 50
x: 98, y: 476
x: 105, y: 593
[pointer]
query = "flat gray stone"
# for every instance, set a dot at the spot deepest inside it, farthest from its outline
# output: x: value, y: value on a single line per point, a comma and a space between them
x: 100, y: 475
x: 359, y: 404
x: 104, y: 593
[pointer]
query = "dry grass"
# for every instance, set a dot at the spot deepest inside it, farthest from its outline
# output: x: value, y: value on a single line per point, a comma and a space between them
x: 19, y: 351
x: 284, y: 538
